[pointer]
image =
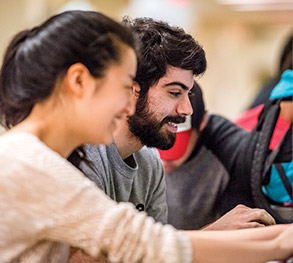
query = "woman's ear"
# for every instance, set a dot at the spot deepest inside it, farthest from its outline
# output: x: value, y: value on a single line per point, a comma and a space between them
x: 77, y: 78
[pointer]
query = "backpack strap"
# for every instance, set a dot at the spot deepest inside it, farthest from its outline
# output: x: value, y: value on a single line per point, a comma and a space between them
x: 272, y: 157
x: 268, y: 164
x: 271, y: 107
x: 285, y: 179
x: 264, y: 130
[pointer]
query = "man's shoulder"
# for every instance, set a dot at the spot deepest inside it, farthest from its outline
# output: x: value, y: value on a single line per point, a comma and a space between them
x: 99, y: 159
x: 97, y: 149
x: 150, y: 165
x: 149, y: 151
x: 101, y: 153
x: 148, y: 155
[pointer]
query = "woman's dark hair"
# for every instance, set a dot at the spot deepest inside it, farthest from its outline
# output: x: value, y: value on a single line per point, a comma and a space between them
x: 35, y: 59
x: 163, y: 45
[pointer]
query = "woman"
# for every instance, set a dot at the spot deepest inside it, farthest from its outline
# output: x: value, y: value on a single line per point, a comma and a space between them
x: 63, y: 84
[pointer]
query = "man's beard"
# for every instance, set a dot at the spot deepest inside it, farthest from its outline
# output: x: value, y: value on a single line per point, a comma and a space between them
x: 147, y: 129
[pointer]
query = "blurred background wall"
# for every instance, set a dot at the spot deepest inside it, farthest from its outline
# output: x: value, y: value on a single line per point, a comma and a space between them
x: 242, y: 38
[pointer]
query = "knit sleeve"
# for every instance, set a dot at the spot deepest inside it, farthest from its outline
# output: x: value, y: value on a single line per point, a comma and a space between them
x: 49, y: 199
x: 99, y: 226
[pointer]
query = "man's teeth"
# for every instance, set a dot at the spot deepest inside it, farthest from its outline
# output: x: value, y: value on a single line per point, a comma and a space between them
x: 172, y: 124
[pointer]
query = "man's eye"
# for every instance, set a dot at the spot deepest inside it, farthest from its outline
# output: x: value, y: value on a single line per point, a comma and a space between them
x: 175, y: 94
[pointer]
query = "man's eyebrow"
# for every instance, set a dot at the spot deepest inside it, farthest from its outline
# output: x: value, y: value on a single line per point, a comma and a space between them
x: 183, y: 86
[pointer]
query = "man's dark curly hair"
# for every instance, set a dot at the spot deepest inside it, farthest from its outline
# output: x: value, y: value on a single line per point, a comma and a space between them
x: 163, y: 45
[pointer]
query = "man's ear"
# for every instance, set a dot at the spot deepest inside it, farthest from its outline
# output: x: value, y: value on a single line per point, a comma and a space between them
x: 77, y: 78
x: 136, y: 89
x: 204, y: 121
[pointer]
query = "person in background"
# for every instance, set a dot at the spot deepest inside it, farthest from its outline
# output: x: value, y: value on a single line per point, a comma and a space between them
x: 239, y: 145
x: 236, y: 147
x: 275, y: 182
x: 249, y: 118
x: 285, y: 62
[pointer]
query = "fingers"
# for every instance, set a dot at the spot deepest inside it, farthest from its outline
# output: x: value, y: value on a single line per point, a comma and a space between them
x: 251, y: 225
x: 257, y: 215
x: 262, y: 216
x: 242, y: 217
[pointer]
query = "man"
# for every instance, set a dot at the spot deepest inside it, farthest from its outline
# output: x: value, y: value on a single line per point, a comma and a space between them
x: 127, y: 170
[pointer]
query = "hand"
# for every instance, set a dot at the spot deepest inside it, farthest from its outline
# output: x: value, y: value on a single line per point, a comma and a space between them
x: 242, y: 217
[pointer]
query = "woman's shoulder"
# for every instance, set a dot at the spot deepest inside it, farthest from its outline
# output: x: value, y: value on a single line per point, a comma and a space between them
x: 20, y: 142
x: 25, y: 155
x: 25, y: 149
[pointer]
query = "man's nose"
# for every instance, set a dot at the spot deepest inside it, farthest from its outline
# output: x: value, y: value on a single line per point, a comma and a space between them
x: 184, y: 106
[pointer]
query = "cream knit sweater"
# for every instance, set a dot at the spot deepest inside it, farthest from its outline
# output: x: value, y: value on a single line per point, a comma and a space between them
x: 47, y: 205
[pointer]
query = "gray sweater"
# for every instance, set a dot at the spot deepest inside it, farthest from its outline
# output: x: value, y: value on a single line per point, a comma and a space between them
x: 141, y: 183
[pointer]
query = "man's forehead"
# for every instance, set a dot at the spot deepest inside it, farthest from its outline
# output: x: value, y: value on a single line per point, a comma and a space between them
x: 178, y: 75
